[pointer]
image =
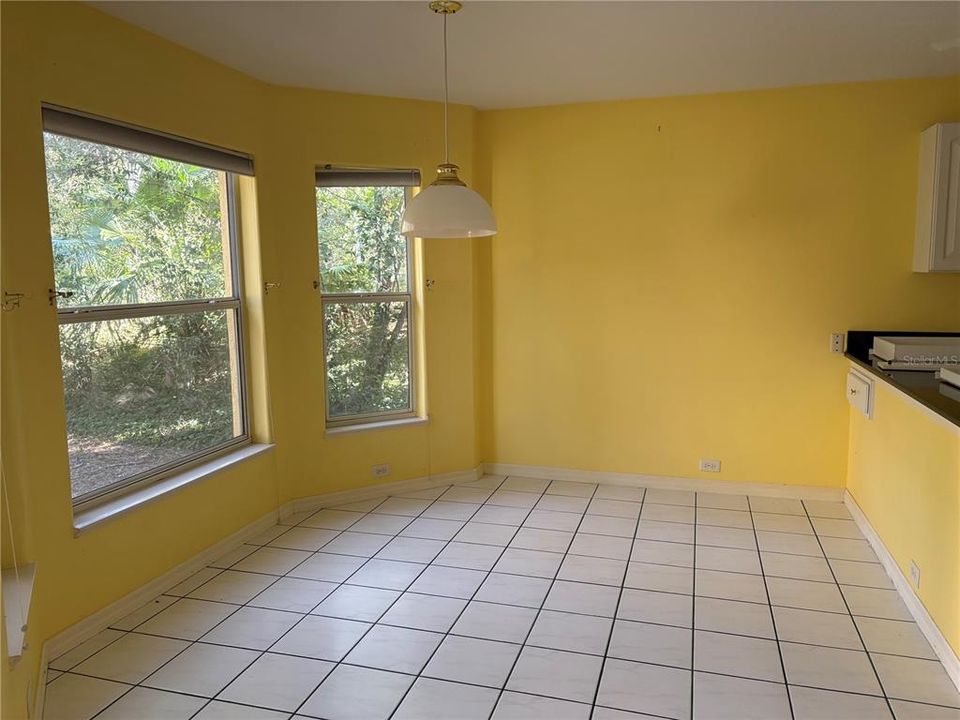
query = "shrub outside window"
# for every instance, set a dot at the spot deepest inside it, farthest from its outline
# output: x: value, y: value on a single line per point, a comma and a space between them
x: 150, y: 313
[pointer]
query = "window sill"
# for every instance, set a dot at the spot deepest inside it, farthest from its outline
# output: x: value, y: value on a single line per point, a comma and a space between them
x: 111, y: 508
x: 381, y: 425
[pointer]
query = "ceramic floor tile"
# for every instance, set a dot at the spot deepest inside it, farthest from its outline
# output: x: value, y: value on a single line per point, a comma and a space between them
x: 806, y: 595
x: 601, y: 546
x: 486, y: 534
x: 728, y: 560
x: 732, y: 616
x: 330, y: 568
x: 411, y: 550
x: 746, y: 657
x: 513, y: 590
x: 356, y: 543
x: 657, y: 644
x: 601, y: 571
x: 874, y: 602
x: 581, y: 598
x: 905, y: 710
x: 466, y: 495
x: 502, y: 515
x: 269, y: 534
x: 645, y: 689
x: 434, y: 699
x: 556, y: 541
x: 620, y: 492
x: 444, y: 510
x: 796, y: 567
x: 220, y: 710
x: 252, y: 628
x: 554, y: 673
x: 272, y: 561
x: 566, y: 631
x: 232, y: 557
x: 426, y: 494
x: 894, y: 637
x: 664, y: 496
x: 784, y: 506
x: 352, y: 602
x: 827, y: 509
x: 525, y: 484
x: 812, y: 704
x: 304, y: 538
x: 194, y: 581
x: 294, y: 594
x: 840, y: 528
x: 154, y: 704
x: 74, y: 697
x: 424, y: 612
x: 395, y: 648
x: 723, y: 518
x: 386, y: 574
x: 656, y: 607
x: 529, y: 562
x: 402, y: 506
x: 322, y: 638
x: 235, y: 587
x: 353, y: 693
x: 600, y: 525
x: 143, y: 613
x: 85, y: 649
x: 722, y: 501
x: 847, y: 549
x: 790, y: 543
x: 665, y: 531
x: 281, y: 682
x: 510, y: 498
x: 478, y: 662
x: 663, y: 578
x: 563, y: 503
x: 917, y: 680
x: 381, y: 524
x: 731, y: 586
x: 849, y: 572
x: 571, y: 489
x: 614, y: 508
x: 333, y: 519
x: 730, y: 537
x: 816, y: 628
x: 829, y: 668
x: 667, y: 513
x: 662, y: 553
x: 187, y: 619
x: 490, y: 621
x: 433, y: 528
x: 447, y: 581
x: 520, y: 706
x: 131, y: 658
x: 469, y: 556
x: 782, y: 523
x: 201, y: 669
x: 728, y: 698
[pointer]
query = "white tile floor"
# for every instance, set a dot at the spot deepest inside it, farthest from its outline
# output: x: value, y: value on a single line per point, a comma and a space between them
x: 522, y: 598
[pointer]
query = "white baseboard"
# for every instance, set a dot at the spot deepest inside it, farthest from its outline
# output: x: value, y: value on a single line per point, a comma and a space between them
x: 733, y: 487
x: 942, y: 648
x: 90, y: 626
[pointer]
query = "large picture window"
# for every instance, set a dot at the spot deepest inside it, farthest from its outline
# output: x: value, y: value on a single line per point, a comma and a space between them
x: 148, y: 300
x: 365, y: 284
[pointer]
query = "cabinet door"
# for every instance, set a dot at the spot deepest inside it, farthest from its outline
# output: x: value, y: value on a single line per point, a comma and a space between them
x: 938, y: 201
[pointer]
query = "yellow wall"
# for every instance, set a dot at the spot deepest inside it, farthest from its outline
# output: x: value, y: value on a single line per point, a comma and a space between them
x: 668, y: 272
x: 904, y: 473
x: 72, y: 55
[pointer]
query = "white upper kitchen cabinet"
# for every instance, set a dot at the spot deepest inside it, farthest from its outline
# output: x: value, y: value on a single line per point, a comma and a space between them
x: 937, y: 247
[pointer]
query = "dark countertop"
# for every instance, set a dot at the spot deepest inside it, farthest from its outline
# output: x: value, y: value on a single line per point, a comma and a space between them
x: 921, y: 385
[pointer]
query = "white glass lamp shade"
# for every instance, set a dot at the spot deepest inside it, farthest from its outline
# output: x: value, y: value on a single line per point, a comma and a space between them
x: 448, y: 209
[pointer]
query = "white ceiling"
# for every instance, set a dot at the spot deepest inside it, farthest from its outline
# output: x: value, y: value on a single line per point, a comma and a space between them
x: 518, y: 54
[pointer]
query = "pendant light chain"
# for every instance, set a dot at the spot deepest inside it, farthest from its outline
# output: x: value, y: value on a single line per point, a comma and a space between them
x: 446, y: 99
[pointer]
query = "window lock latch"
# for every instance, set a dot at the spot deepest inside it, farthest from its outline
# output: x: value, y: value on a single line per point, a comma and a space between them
x: 54, y: 294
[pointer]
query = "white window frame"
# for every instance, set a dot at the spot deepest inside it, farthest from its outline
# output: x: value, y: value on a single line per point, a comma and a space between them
x: 100, y: 132
x: 407, y: 297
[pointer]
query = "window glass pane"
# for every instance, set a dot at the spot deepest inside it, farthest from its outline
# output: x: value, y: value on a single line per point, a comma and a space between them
x: 368, y: 351
x: 133, y: 228
x: 141, y: 393
x: 361, y: 248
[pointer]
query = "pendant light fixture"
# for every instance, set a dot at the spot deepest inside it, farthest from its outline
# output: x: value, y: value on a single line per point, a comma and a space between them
x: 447, y: 208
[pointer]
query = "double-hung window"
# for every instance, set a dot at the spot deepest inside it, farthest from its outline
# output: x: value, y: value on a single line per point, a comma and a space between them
x: 148, y: 299
x: 366, y: 281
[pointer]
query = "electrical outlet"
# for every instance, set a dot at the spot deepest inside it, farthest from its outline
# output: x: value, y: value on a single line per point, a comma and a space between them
x: 836, y: 343
x: 709, y: 465
x: 380, y: 470
x: 915, y: 574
